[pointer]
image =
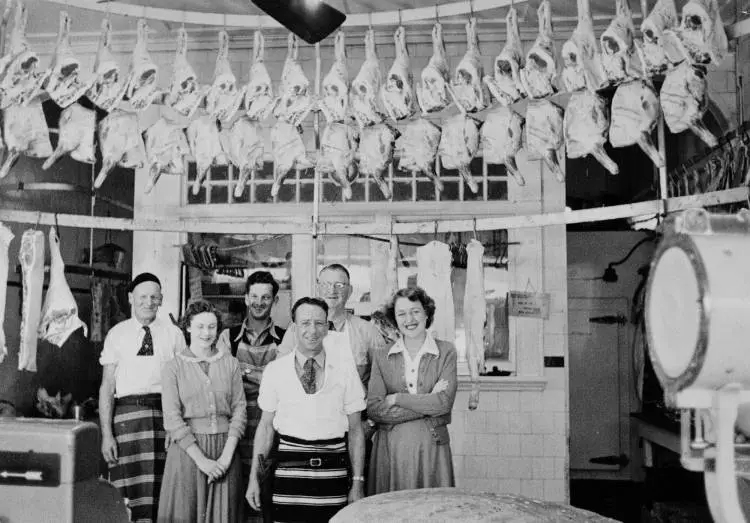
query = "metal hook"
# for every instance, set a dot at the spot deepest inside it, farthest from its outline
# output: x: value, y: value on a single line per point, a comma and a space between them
x: 369, y: 20
x: 38, y: 220
x: 436, y: 229
x: 437, y: 14
x: 475, y: 227
x: 471, y: 8
x: 399, y: 18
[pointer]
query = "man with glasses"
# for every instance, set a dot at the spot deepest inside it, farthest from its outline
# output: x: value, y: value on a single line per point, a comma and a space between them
x: 346, y: 330
x: 130, y: 411
x: 254, y: 343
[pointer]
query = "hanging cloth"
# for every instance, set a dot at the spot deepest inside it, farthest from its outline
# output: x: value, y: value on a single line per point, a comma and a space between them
x: 60, y: 311
x: 31, y: 256
x: 5, y: 238
x: 434, y: 276
x: 475, y: 314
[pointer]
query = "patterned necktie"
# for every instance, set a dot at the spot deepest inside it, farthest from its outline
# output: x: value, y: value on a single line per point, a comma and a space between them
x: 308, y: 376
x: 147, y: 346
x: 331, y: 326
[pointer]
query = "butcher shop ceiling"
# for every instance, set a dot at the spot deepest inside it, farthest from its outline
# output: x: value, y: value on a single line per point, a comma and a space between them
x: 44, y: 16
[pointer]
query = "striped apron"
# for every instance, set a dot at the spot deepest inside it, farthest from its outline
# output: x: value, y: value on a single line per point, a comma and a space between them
x: 311, y: 481
x: 139, y: 432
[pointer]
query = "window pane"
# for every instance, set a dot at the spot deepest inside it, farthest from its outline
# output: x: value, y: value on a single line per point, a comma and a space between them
x: 354, y: 254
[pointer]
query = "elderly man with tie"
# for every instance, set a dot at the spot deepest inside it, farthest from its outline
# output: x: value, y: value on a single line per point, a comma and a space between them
x: 130, y: 410
x: 312, y: 398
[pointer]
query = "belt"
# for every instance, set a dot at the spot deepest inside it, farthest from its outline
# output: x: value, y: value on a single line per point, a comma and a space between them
x: 142, y: 400
x: 327, y: 461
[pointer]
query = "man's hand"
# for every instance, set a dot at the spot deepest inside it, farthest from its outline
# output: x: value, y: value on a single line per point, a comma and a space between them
x: 357, y: 491
x: 368, y: 429
x: 440, y: 386
x: 109, y: 449
x: 167, y: 441
x: 390, y: 400
x: 252, y: 495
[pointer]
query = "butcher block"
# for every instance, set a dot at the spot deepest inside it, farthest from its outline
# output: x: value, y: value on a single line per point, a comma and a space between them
x: 451, y: 504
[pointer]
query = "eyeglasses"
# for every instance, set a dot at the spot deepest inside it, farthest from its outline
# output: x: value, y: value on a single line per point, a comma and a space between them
x: 336, y: 286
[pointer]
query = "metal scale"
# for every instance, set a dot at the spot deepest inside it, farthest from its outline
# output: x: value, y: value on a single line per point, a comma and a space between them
x: 698, y: 328
x: 49, y: 472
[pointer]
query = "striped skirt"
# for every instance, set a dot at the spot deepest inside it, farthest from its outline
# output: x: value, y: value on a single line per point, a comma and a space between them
x: 139, y: 432
x: 311, y: 481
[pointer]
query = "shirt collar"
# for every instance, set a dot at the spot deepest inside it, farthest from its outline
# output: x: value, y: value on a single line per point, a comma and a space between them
x: 187, y: 355
x: 270, y: 328
x: 347, y: 315
x: 320, y: 358
x: 429, y: 346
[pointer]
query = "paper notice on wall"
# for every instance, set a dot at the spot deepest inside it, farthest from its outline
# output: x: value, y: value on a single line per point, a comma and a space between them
x: 528, y: 304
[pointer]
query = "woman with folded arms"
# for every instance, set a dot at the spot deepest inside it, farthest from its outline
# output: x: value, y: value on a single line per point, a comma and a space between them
x: 410, y: 397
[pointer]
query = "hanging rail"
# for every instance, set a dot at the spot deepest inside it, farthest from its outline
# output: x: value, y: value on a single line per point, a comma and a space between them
x: 405, y: 227
x: 235, y: 20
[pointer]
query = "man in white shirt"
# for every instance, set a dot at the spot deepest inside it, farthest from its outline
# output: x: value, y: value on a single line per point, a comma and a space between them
x: 311, y: 398
x: 130, y: 412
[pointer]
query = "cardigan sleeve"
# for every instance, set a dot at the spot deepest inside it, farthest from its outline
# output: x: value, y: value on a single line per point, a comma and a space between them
x: 435, y: 404
x: 238, y: 402
x: 376, y: 393
x: 174, y: 423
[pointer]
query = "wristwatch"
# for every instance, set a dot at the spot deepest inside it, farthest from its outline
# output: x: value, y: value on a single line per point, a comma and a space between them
x: 358, y: 478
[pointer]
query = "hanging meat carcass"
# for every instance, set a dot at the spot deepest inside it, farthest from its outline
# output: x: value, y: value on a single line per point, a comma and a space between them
x: 21, y: 82
x: 65, y: 82
x: 658, y: 31
x: 75, y: 136
x: 223, y: 98
x: 338, y: 146
x: 109, y: 85
x: 31, y: 258
x: 540, y: 69
x: 434, y: 93
x: 617, y: 43
x: 470, y: 91
x: 544, y: 134
x: 205, y: 143
x: 684, y: 101
x: 288, y: 151
x: 475, y: 315
x: 397, y: 93
x: 376, y: 147
x: 459, y: 144
x: 25, y: 130
x: 166, y: 148
x: 295, y: 100
x: 582, y: 61
x: 502, y: 139
x: 363, y: 96
x: 5, y: 238
x: 635, y: 113
x: 586, y: 128
x: 259, y: 97
x: 142, y: 88
x: 120, y: 143
x: 243, y: 143
x: 185, y: 93
x: 335, y: 102
x: 418, y: 149
x: 702, y: 32
x: 60, y: 310
x: 434, y: 276
x: 505, y: 83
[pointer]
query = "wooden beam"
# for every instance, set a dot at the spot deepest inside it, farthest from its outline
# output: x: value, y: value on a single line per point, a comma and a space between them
x: 206, y: 225
x: 387, y: 18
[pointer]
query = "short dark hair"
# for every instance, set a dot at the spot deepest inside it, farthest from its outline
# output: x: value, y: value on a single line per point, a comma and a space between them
x: 309, y: 301
x: 336, y: 267
x: 142, y: 278
x: 195, y: 308
x: 412, y: 294
x: 263, y: 277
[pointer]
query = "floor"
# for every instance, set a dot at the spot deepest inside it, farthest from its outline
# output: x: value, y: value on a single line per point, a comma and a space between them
x: 665, y: 497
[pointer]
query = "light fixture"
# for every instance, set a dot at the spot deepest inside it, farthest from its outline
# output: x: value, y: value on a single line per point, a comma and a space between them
x: 311, y: 20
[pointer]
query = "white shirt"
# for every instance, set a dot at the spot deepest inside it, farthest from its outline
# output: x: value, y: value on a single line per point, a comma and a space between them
x: 411, y: 366
x: 322, y: 415
x: 140, y: 374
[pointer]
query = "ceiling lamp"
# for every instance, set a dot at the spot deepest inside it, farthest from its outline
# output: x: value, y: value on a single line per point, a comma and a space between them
x: 311, y: 20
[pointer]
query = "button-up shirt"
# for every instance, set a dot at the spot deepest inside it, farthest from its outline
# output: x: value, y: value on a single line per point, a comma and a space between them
x: 411, y: 366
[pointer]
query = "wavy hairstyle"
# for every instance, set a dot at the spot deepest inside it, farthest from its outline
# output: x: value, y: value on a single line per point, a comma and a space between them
x: 411, y: 294
x: 192, y: 310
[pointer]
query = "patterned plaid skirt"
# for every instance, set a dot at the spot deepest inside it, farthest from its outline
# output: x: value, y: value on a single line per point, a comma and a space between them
x: 139, y: 432
x: 311, y: 480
